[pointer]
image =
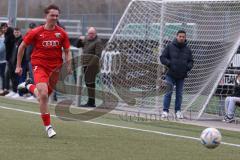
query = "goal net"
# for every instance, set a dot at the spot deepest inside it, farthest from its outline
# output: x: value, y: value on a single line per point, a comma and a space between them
x: 131, y: 69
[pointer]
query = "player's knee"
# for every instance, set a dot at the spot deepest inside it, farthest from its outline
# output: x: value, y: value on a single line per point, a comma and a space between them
x: 42, y: 91
x: 43, y: 95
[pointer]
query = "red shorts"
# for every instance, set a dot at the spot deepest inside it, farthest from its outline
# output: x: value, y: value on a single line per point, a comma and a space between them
x: 44, y: 75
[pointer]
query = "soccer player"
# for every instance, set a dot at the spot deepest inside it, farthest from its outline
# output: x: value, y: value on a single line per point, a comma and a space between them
x: 48, y: 41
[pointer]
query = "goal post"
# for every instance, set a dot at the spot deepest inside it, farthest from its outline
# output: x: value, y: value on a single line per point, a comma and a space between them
x: 147, y: 26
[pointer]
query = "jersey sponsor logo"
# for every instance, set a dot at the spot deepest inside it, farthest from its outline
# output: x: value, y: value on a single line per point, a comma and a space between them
x: 51, y: 43
x: 58, y: 35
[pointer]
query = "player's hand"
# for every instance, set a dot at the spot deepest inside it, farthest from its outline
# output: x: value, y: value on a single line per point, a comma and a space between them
x: 69, y: 69
x: 81, y: 37
x: 18, y: 71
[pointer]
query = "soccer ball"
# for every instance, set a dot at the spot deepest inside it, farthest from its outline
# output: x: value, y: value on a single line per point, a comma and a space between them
x: 211, y: 138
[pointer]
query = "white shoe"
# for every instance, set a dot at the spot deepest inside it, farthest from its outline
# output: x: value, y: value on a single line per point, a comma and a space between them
x: 179, y: 115
x: 10, y: 94
x: 51, y: 133
x: 164, y: 114
x: 21, y: 85
x: 16, y: 95
x: 31, y: 98
x: 22, y: 88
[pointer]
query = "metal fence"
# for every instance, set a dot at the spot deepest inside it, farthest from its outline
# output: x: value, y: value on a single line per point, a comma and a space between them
x: 76, y: 16
x: 77, y: 27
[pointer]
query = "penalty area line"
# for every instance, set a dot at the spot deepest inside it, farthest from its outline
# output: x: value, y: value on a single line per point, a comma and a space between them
x: 122, y: 127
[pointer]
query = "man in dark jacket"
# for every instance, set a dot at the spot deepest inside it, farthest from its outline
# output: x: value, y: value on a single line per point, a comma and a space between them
x: 11, y: 75
x: 178, y: 58
x: 92, y: 48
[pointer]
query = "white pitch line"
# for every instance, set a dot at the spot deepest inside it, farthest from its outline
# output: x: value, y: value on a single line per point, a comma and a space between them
x: 122, y: 127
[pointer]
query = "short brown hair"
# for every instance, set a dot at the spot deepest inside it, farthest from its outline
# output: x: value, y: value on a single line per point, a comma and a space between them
x: 51, y: 6
x: 17, y: 29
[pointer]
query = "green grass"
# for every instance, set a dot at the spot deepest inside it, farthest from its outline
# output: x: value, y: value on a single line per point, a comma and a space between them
x: 22, y: 137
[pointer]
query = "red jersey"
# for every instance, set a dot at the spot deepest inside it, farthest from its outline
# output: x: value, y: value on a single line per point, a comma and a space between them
x: 48, y: 45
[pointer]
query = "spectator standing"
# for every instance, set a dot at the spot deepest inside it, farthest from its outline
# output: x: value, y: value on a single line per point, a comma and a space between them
x: 92, y: 49
x: 177, y: 56
x: 2, y: 61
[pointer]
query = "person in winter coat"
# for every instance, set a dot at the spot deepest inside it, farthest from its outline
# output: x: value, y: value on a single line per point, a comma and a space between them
x: 177, y: 57
x: 92, y: 48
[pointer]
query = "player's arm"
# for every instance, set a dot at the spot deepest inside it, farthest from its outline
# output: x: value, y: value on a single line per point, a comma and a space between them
x: 68, y: 59
x: 20, y: 54
x: 190, y: 61
x: 29, y: 38
x: 67, y: 52
x: 164, y: 58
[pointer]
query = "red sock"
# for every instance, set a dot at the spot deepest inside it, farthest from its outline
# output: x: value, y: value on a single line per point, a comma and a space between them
x: 31, y: 88
x: 46, y: 119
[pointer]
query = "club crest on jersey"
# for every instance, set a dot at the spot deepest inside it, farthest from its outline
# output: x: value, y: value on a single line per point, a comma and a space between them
x: 58, y: 35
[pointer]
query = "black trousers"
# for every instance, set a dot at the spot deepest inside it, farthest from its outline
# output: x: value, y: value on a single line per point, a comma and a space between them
x: 10, y: 75
x: 2, y: 74
x: 90, y: 73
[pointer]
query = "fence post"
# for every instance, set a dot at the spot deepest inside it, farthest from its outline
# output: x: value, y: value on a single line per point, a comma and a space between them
x: 84, y: 24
